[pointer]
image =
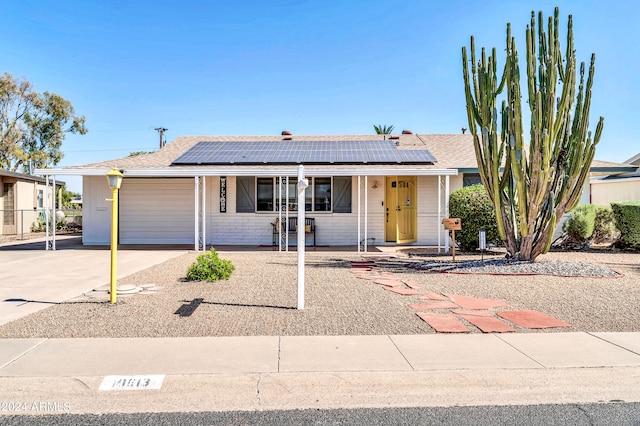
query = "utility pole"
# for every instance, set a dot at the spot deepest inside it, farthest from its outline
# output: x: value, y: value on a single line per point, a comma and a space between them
x: 161, y: 130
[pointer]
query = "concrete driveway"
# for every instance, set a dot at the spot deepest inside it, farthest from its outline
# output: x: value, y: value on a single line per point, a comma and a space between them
x: 32, y: 279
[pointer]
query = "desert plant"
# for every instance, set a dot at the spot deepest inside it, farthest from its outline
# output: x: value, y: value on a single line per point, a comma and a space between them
x: 627, y: 214
x: 604, y: 227
x: 580, y: 225
x: 209, y: 267
x: 472, y: 205
x: 532, y: 188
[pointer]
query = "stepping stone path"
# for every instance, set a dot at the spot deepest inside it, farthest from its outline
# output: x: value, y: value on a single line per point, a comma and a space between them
x: 474, y: 311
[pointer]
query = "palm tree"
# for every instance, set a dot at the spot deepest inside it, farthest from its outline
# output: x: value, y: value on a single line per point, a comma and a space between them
x: 382, y: 130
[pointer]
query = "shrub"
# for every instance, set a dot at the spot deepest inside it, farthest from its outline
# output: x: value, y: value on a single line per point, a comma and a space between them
x: 627, y: 215
x: 473, y: 206
x: 604, y: 229
x: 209, y: 267
x: 580, y: 225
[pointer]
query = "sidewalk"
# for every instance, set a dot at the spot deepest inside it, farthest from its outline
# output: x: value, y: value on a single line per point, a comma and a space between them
x: 290, y: 372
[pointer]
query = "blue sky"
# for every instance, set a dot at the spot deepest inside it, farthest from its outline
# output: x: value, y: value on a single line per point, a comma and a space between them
x: 312, y: 67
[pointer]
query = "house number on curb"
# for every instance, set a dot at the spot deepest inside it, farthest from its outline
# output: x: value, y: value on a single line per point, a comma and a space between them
x: 223, y: 194
x: 116, y: 383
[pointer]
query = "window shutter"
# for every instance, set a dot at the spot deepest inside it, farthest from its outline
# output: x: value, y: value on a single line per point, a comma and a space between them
x: 245, y: 193
x: 342, y: 194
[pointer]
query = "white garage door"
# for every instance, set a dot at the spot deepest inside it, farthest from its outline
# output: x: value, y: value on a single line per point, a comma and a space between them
x: 156, y: 211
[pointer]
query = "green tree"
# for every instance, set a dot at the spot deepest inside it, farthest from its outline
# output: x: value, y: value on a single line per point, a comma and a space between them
x: 531, y: 190
x: 382, y: 130
x: 136, y: 153
x: 33, y: 125
x: 67, y: 196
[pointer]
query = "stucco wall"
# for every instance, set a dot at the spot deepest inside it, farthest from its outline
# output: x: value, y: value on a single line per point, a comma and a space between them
x: 605, y: 192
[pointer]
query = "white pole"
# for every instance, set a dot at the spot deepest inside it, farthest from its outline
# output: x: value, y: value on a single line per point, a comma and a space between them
x: 439, y: 212
x: 196, y: 205
x: 302, y: 185
x: 280, y: 214
x: 46, y: 211
x: 53, y: 215
x: 446, y: 211
x: 358, y: 214
x: 366, y: 211
x: 204, y: 213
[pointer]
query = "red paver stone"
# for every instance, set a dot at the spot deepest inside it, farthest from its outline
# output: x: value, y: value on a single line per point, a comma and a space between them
x: 411, y: 284
x: 444, y: 323
x: 389, y: 282
x: 403, y: 291
x: 433, y: 305
x: 474, y: 303
x: 488, y: 324
x: 532, y: 319
x: 432, y: 296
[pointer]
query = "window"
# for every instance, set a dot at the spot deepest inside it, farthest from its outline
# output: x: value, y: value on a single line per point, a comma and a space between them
x: 40, y: 198
x: 324, y: 194
x: 264, y: 195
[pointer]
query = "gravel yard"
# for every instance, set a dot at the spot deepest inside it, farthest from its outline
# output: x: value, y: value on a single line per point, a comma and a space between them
x: 260, y: 298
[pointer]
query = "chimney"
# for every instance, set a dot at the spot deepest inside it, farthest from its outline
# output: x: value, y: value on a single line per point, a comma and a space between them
x: 464, y: 129
x: 407, y: 132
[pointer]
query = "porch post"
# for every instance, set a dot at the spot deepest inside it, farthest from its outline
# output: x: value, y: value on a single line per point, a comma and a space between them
x: 366, y: 211
x: 195, y: 213
x: 439, y: 212
x: 204, y: 213
x: 446, y: 211
x: 46, y: 213
x: 358, y: 214
x: 53, y: 214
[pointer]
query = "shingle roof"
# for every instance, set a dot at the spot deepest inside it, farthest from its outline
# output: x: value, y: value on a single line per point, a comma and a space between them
x: 452, y: 151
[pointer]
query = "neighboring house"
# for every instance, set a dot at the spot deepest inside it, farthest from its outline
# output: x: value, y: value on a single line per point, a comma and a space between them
x: 22, y: 198
x: 219, y: 190
x: 617, y: 187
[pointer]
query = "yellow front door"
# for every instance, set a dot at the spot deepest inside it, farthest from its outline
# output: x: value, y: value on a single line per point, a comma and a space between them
x: 400, y: 210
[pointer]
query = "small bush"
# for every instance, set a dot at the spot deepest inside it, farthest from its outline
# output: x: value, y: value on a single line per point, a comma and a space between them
x: 474, y: 208
x: 627, y: 214
x: 604, y: 229
x: 580, y: 225
x: 209, y: 267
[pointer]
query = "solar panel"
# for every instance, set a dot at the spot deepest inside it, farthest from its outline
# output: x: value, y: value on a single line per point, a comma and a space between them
x: 257, y: 153
x: 288, y: 153
x: 298, y: 152
x: 416, y: 156
x: 382, y: 152
x: 351, y: 152
x: 319, y: 152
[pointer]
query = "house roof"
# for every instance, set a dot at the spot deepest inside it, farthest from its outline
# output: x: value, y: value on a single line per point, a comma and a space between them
x: 25, y: 177
x: 635, y: 160
x: 453, y: 153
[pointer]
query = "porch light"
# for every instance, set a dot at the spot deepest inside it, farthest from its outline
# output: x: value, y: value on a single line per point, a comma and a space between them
x: 114, y: 179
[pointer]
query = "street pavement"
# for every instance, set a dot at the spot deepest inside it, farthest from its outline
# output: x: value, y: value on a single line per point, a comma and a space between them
x: 131, y: 375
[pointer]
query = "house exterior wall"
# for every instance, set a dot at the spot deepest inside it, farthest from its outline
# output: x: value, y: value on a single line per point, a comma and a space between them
x: 25, y: 204
x: 96, y: 211
x: 161, y: 211
x: 605, y: 192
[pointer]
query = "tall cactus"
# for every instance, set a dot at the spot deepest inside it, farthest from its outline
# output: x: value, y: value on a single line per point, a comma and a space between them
x: 531, y: 187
